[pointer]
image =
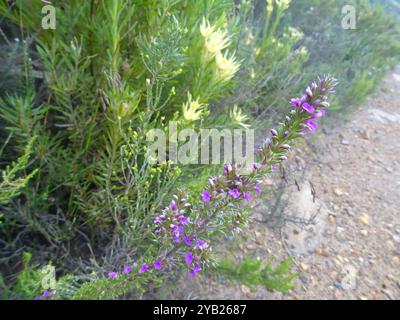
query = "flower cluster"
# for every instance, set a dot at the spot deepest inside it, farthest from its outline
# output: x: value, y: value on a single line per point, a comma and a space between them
x: 215, y: 42
x: 194, y: 110
x: 184, y: 231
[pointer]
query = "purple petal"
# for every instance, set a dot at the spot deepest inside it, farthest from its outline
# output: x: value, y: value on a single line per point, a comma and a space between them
x: 143, y: 268
x: 307, y: 107
x: 188, y: 258
x: 158, y: 265
x: 205, y: 196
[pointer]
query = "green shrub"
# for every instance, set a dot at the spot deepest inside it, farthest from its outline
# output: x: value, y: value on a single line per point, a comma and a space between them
x: 252, y: 272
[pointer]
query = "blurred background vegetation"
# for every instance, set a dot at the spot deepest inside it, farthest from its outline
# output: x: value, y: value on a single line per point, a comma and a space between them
x: 76, y: 104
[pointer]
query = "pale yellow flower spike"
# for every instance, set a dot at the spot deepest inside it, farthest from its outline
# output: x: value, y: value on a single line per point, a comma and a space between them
x: 206, y: 29
x: 192, y: 109
x: 227, y: 66
x: 238, y: 117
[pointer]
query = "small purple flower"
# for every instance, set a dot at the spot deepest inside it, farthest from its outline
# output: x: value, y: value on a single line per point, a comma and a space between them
x: 287, y: 133
x: 257, y: 189
x: 187, y: 241
x: 228, y: 169
x: 188, y: 258
x: 157, y: 219
x: 234, y: 193
x: 247, y: 196
x: 112, y: 275
x: 236, y: 230
x: 127, y: 270
x: 282, y: 158
x: 201, y: 244
x: 144, y: 268
x: 183, y: 220
x: 319, y: 114
x: 36, y: 298
x: 173, y: 206
x: 205, y: 196
x: 158, y: 265
x: 295, y: 102
x: 176, y: 239
x: 311, y: 125
x: 195, y: 270
x: 307, y: 107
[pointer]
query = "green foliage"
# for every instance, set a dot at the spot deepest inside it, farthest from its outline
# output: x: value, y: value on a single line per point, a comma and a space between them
x: 28, y: 283
x: 77, y: 103
x: 133, y: 285
x: 252, y: 272
x: 358, y: 58
x: 14, y: 177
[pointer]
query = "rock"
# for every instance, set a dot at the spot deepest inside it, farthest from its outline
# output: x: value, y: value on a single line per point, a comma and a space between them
x: 396, y: 260
x: 390, y: 244
x: 304, y: 266
x: 345, y: 142
x: 396, y: 238
x: 349, y: 280
x: 323, y: 252
x: 338, y: 192
x: 364, y: 232
x: 364, y: 219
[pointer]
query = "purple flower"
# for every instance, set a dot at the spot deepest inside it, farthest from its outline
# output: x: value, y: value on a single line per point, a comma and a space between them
x: 201, y: 244
x: 158, y: 265
x: 188, y: 258
x: 205, y: 196
x: 47, y: 294
x: 176, y: 239
x: 127, y: 270
x: 307, y: 107
x: 144, y: 268
x: 236, y: 230
x: 234, y: 193
x: 247, y: 196
x: 311, y: 125
x: 228, y: 169
x: 295, y: 102
x: 319, y: 114
x: 187, y: 241
x: 183, y: 220
x: 36, y: 298
x: 173, y: 206
x: 287, y: 133
x: 257, y: 189
x: 274, y: 132
x: 195, y: 270
x: 112, y: 275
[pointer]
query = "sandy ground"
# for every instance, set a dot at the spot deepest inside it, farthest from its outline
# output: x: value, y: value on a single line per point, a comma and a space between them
x: 339, y: 214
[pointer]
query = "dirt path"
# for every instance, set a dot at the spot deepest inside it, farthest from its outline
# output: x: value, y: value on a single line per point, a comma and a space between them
x: 349, y: 197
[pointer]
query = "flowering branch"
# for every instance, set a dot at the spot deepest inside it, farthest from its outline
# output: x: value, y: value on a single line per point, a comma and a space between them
x: 184, y: 231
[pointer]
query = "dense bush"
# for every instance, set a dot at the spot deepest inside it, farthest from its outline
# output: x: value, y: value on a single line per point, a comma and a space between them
x: 77, y: 103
